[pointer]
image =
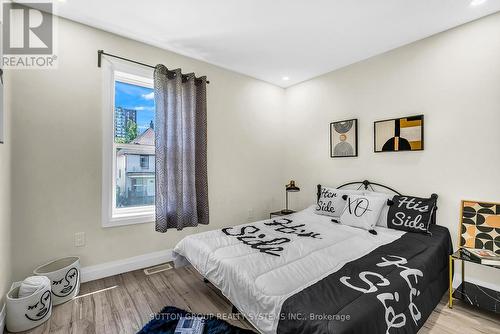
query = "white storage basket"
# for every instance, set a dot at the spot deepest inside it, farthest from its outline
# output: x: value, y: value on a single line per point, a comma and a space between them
x: 30, y: 311
x: 64, y: 275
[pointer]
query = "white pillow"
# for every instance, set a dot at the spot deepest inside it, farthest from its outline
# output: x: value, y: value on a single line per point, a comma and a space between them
x: 32, y: 284
x: 362, y: 211
x: 382, y: 219
x: 331, y: 201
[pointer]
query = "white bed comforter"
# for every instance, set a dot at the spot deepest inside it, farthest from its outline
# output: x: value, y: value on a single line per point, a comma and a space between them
x: 258, y: 279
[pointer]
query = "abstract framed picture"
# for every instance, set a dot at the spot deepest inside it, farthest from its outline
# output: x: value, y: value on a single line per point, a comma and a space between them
x: 399, y: 134
x: 480, y: 225
x: 344, y: 138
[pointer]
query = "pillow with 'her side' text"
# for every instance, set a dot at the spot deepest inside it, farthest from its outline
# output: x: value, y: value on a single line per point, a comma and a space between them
x: 331, y: 201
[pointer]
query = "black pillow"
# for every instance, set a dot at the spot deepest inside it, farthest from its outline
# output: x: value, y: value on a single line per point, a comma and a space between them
x: 411, y: 214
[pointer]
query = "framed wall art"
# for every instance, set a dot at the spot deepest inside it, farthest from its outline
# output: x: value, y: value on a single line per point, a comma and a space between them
x: 344, y: 139
x: 399, y: 134
x: 480, y: 225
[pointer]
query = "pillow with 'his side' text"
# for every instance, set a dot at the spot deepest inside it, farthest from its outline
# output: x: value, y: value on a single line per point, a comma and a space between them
x: 411, y: 214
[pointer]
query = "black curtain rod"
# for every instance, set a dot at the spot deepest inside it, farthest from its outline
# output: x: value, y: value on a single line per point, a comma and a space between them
x: 101, y: 53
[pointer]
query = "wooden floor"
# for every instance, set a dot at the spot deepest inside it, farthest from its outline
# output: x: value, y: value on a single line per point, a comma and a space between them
x: 124, y: 303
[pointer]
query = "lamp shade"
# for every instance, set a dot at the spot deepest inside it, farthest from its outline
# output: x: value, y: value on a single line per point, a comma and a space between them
x: 291, y: 187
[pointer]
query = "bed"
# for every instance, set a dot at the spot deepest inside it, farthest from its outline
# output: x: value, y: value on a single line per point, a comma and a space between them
x: 302, y: 273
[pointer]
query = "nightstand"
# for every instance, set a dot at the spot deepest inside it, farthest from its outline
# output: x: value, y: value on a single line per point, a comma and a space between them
x: 471, y: 293
x: 279, y: 213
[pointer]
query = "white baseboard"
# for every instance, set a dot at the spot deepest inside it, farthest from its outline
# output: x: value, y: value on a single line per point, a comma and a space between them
x: 2, y: 318
x: 107, y: 269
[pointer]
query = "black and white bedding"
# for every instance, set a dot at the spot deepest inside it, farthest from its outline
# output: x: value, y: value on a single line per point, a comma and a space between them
x: 303, y: 273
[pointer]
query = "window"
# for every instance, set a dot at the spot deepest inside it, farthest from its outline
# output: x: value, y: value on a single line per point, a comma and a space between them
x: 145, y: 161
x: 129, y: 160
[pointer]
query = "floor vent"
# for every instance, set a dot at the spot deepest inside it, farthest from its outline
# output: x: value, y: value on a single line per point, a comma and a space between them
x: 158, y: 269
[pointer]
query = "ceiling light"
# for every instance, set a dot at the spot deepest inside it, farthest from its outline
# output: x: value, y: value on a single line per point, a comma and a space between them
x: 285, y: 78
x: 475, y: 3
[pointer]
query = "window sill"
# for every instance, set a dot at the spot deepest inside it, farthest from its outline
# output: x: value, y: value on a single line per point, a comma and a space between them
x: 128, y: 219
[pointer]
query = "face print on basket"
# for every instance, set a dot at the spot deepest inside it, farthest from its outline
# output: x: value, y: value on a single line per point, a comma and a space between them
x: 64, y: 276
x: 40, y: 309
x: 65, y: 285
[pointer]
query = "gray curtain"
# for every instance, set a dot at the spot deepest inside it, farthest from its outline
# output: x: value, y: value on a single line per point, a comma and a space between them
x: 181, y: 150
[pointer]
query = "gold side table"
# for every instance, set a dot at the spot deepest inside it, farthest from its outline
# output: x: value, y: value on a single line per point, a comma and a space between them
x: 471, y: 293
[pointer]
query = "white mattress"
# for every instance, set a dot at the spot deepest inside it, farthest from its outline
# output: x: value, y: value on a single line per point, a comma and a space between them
x: 258, y: 283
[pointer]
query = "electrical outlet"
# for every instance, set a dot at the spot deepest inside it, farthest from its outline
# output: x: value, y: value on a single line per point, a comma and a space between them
x: 80, y: 239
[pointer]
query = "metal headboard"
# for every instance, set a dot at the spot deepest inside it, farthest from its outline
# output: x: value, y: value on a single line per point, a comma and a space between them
x: 367, y: 185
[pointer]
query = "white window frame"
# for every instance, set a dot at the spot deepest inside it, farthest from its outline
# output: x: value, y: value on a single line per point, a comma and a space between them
x: 114, y: 70
x: 146, y: 158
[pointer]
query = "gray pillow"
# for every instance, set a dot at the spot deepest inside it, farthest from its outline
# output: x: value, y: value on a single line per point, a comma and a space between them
x: 382, y: 219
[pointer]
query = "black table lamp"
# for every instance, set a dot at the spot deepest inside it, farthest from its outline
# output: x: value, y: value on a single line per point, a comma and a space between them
x: 289, y: 188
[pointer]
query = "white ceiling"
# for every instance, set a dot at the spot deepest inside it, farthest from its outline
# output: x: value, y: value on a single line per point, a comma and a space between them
x: 271, y: 39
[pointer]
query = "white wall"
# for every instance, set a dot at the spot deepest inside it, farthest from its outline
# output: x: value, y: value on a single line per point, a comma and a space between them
x: 259, y: 137
x: 452, y: 78
x: 5, y: 202
x: 57, y: 152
